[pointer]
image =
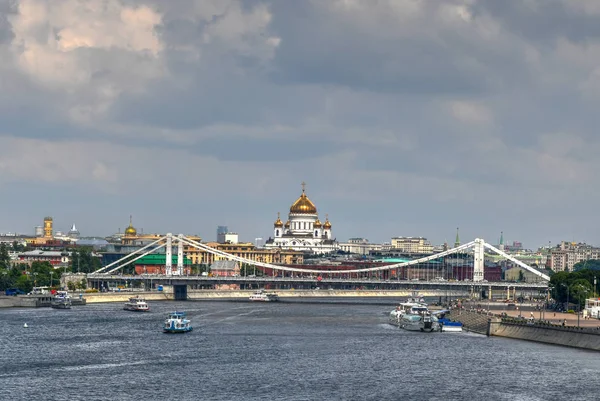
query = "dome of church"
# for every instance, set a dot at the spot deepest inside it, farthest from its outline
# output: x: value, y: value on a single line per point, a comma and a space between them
x: 317, y: 223
x: 327, y: 224
x: 278, y: 222
x: 303, y: 205
x: 130, y: 231
x: 287, y: 224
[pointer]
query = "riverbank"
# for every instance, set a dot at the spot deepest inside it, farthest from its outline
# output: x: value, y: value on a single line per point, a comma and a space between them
x: 562, y: 329
x: 167, y: 295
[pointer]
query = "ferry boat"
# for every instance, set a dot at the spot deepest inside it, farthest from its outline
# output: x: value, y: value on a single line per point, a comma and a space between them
x: 61, y: 300
x: 262, y: 296
x: 136, y: 304
x: 177, y: 323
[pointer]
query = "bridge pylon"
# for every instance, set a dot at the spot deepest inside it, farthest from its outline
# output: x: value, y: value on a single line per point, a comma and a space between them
x: 478, y: 259
x: 169, y: 255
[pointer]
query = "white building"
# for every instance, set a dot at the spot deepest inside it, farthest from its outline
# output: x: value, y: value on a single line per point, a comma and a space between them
x: 360, y: 246
x: 412, y: 245
x: 227, y: 238
x: 567, y: 254
x: 303, y: 230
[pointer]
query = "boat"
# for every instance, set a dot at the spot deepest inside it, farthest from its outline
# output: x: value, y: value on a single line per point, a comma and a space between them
x: 448, y: 325
x: 136, y: 304
x: 177, y: 323
x: 263, y: 296
x: 414, y: 317
x: 61, y: 300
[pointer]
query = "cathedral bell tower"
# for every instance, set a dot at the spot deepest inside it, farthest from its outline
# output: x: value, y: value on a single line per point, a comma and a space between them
x: 278, y: 227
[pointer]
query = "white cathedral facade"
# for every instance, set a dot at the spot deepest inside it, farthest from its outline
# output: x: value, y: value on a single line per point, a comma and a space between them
x: 303, y: 231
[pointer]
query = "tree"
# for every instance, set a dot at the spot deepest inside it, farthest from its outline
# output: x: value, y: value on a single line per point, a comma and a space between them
x: 83, y: 261
x: 521, y: 276
x: 592, y: 264
x: 4, y: 256
x: 579, y: 291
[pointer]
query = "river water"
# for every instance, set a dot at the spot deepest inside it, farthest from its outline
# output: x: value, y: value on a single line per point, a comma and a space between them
x: 290, y: 350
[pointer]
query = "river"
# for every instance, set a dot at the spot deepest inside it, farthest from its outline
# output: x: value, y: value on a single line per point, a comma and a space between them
x: 292, y: 350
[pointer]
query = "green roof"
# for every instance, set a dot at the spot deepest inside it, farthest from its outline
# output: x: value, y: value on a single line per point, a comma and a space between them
x: 160, y: 259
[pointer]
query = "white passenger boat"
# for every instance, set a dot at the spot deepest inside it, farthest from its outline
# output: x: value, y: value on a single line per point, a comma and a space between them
x: 414, y: 317
x: 136, y: 304
x: 177, y: 323
x: 61, y: 300
x: 263, y: 296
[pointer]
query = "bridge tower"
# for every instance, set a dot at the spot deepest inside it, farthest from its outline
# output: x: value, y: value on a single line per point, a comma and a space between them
x: 180, y: 255
x: 478, y: 259
x: 169, y: 255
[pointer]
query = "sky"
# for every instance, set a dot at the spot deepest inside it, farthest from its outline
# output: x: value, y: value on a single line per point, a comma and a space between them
x: 403, y: 117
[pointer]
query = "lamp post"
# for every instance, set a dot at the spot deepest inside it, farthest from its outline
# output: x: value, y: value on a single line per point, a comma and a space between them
x: 51, y: 273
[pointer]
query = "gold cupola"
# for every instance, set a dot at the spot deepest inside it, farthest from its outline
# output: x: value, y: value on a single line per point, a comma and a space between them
x: 317, y: 224
x: 287, y: 224
x: 303, y: 205
x: 278, y: 222
x: 327, y: 224
x: 130, y: 231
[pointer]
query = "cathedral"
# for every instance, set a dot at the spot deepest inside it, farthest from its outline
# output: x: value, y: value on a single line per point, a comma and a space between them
x: 303, y: 231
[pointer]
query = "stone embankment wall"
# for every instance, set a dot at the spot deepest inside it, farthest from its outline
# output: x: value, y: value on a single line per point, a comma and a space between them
x: 98, y: 297
x: 476, y: 322
x: 577, y: 337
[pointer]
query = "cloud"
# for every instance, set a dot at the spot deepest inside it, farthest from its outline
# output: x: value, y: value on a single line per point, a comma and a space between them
x: 405, y: 117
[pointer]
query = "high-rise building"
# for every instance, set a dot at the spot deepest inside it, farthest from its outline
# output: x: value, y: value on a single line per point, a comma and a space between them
x: 221, y: 230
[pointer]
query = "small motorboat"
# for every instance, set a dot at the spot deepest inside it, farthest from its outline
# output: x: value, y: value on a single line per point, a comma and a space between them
x: 177, y: 323
x: 448, y: 325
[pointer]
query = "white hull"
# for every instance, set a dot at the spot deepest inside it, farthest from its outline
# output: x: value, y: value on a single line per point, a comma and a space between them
x: 452, y: 329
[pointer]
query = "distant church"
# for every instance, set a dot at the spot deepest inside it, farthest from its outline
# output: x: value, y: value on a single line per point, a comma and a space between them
x: 303, y: 231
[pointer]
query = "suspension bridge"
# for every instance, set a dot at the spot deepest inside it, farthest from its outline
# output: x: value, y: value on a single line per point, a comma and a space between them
x: 297, y: 277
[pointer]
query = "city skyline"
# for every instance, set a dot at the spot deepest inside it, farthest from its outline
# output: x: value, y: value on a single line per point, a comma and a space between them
x: 191, y: 115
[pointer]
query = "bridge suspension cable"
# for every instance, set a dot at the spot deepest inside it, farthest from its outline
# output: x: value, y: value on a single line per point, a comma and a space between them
x: 478, y: 244
x: 116, y: 262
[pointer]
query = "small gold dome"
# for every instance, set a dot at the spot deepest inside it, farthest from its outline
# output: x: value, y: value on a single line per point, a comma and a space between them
x: 317, y: 224
x: 303, y: 205
x: 287, y: 224
x: 327, y: 225
x: 130, y: 231
x: 278, y: 222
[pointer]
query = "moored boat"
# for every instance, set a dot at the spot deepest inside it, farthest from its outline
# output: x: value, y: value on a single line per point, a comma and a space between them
x: 61, y: 300
x: 136, y: 304
x: 450, y: 326
x: 414, y: 317
x: 263, y: 296
x: 176, y: 322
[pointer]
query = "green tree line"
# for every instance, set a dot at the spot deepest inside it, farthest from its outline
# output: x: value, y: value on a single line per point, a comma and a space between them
x: 577, y: 286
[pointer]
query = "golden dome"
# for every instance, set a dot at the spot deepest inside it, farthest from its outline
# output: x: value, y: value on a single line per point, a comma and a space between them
x: 278, y: 222
x: 303, y: 205
x: 287, y: 224
x: 327, y: 224
x: 317, y: 224
x: 130, y: 231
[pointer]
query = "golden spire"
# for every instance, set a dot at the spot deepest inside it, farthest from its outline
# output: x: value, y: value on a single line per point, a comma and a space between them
x: 278, y: 222
x: 327, y: 224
